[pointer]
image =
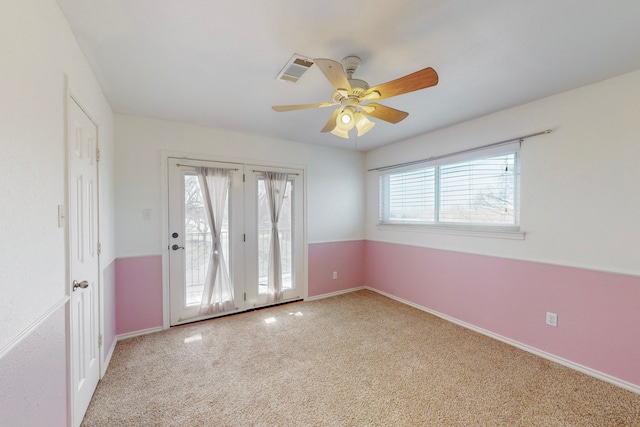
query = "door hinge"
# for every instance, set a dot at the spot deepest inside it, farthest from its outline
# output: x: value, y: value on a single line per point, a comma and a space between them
x: 100, y: 340
x: 97, y: 154
x: 244, y: 237
x: 245, y: 296
x: 243, y: 177
x: 99, y: 248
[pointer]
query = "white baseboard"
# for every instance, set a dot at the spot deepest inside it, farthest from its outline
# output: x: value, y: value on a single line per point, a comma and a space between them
x: 569, y: 364
x: 107, y: 359
x: 333, y: 294
x: 138, y: 333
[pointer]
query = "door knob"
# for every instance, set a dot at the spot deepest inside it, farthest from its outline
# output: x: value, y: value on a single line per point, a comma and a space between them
x: 84, y: 284
x: 176, y: 247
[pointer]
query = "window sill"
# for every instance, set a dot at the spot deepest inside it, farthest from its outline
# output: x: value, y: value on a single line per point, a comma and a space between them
x: 475, y: 231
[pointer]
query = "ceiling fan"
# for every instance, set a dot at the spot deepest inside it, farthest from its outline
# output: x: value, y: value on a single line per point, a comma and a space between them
x: 353, y: 96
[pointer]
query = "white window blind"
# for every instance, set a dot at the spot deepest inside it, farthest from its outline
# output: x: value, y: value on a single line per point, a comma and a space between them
x: 480, y: 191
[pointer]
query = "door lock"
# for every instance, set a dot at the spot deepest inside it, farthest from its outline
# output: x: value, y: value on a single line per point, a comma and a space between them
x: 174, y: 235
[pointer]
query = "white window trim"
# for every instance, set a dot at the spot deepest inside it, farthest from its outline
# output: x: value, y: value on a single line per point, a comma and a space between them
x: 497, y: 232
x: 512, y: 232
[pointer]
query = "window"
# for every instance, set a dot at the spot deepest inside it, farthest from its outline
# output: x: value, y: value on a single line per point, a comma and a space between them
x: 473, y: 193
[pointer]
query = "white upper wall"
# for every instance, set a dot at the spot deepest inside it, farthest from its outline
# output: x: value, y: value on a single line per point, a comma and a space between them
x: 580, y: 196
x: 37, y: 50
x: 334, y: 177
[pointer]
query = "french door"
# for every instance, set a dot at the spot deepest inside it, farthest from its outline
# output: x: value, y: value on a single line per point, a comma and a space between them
x: 244, y: 238
x: 290, y: 233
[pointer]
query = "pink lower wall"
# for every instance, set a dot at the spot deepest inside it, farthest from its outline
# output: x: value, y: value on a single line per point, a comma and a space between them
x: 598, y: 313
x: 109, y: 306
x: 346, y: 258
x: 138, y: 283
x: 33, y: 376
x: 138, y: 293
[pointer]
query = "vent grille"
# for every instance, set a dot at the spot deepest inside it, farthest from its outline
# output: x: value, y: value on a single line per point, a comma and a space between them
x: 295, y: 68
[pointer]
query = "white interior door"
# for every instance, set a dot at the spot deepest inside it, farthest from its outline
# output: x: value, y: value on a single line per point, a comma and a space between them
x: 83, y: 258
x: 245, y: 238
x: 190, y: 239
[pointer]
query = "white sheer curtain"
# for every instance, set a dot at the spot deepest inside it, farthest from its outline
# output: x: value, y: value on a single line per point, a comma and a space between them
x: 275, y: 184
x: 218, y: 292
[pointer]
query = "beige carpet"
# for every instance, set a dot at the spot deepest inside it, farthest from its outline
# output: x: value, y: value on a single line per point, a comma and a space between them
x: 358, y: 359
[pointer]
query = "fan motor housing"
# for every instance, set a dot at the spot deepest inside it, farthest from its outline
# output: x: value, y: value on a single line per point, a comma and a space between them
x: 358, y: 87
x: 351, y: 64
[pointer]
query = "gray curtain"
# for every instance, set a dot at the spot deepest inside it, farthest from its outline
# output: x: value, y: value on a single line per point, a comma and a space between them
x: 217, y: 296
x: 275, y: 184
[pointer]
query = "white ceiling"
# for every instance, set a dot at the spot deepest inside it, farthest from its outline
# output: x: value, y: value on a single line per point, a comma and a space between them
x: 215, y: 62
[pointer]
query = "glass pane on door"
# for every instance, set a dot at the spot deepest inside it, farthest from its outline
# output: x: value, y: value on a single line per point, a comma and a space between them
x: 285, y: 232
x: 198, y: 240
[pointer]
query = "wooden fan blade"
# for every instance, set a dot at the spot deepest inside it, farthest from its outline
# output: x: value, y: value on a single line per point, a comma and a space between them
x: 383, y: 112
x: 334, y: 72
x: 415, y: 81
x: 281, y: 108
x: 331, y: 124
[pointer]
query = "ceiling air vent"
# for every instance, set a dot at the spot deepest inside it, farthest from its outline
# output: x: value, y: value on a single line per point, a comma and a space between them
x: 295, y: 68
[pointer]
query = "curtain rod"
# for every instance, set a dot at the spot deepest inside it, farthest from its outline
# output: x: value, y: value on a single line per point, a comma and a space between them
x: 231, y: 169
x: 469, y: 150
x: 288, y: 173
x: 192, y: 166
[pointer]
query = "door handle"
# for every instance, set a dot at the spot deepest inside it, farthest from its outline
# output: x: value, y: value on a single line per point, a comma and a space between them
x: 84, y: 284
x: 176, y: 247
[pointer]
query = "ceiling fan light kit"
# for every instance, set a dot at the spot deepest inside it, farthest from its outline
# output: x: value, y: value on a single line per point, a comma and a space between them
x: 363, y: 124
x: 350, y: 94
x: 346, y: 117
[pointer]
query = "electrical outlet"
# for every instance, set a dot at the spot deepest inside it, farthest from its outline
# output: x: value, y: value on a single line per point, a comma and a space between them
x: 552, y: 319
x: 335, y: 275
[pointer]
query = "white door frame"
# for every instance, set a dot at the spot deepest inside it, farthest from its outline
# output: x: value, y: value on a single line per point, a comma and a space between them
x: 235, y: 256
x: 70, y: 96
x: 253, y: 297
x: 164, y: 155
